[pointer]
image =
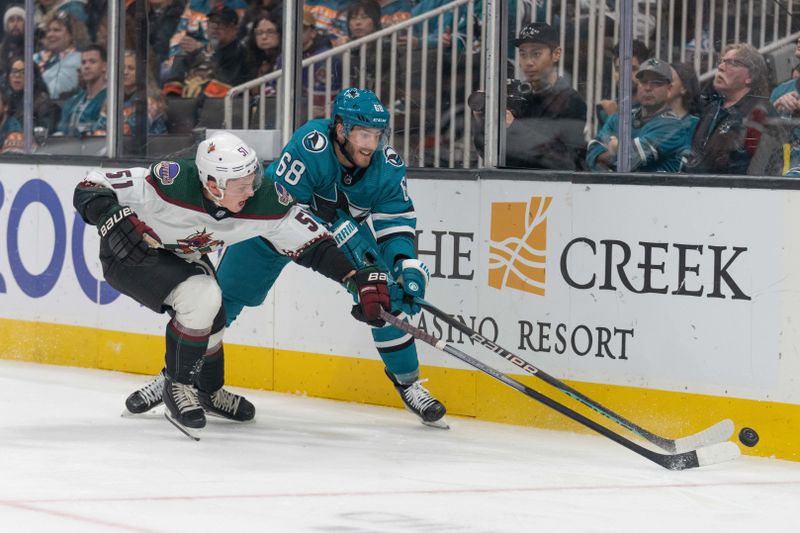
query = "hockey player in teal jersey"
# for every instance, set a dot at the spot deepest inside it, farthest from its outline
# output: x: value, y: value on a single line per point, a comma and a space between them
x: 343, y: 170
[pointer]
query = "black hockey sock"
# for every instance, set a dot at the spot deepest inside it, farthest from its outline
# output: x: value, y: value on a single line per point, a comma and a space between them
x: 185, y: 349
x: 212, y: 375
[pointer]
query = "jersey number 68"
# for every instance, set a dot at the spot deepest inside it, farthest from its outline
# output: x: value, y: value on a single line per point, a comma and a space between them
x: 296, y: 169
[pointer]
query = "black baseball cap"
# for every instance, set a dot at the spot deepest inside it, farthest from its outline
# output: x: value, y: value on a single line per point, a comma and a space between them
x: 656, y: 66
x: 538, y: 32
x: 224, y: 15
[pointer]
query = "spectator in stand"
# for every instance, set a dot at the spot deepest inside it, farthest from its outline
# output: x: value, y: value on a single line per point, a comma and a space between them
x: 263, y: 45
x: 423, y: 6
x: 785, y: 98
x: 156, y: 104
x: 227, y: 52
x: 48, y: 8
x: 731, y: 123
x: 659, y: 136
x: 59, y: 61
x: 363, y: 18
x: 389, y: 12
x: 82, y: 111
x: 199, y: 82
x: 13, y: 36
x: 315, y: 43
x: 544, y: 119
x: 606, y: 108
x: 189, y: 39
x: 11, y: 136
x: 45, y: 112
x: 256, y: 10
x: 326, y: 16
x: 684, y: 96
x: 224, y: 50
x: 163, y: 19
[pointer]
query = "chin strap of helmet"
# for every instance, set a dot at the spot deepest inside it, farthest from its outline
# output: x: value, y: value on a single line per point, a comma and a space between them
x: 343, y: 146
x: 214, y: 198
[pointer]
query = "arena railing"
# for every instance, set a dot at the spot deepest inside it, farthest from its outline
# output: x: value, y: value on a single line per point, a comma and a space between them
x: 423, y: 127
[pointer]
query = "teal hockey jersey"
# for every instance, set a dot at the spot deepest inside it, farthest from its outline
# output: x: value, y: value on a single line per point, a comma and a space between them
x: 310, y: 172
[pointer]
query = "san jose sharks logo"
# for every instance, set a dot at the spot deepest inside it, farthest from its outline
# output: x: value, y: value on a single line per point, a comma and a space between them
x: 351, y: 93
x: 392, y: 157
x: 166, y: 171
x: 315, y: 142
x: 199, y: 241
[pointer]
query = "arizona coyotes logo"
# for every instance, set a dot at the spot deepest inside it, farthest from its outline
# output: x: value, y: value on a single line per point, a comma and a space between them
x: 315, y: 142
x: 200, y: 242
x: 211, y: 148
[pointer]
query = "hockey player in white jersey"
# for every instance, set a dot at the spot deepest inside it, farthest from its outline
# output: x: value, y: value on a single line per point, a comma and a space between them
x: 158, y: 224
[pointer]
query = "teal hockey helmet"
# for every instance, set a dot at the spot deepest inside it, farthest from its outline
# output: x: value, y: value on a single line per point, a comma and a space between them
x: 360, y: 107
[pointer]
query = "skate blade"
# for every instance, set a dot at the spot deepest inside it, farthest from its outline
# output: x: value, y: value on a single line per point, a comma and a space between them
x: 189, y: 432
x: 153, y: 413
x: 215, y: 416
x: 438, y: 424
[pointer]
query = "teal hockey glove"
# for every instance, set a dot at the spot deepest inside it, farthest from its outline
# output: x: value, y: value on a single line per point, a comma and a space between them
x: 412, y: 277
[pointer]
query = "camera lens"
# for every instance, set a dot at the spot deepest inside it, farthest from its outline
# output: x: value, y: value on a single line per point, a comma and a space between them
x: 477, y: 101
x: 525, y: 88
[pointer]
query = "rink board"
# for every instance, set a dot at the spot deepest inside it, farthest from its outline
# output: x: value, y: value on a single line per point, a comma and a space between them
x: 671, y: 305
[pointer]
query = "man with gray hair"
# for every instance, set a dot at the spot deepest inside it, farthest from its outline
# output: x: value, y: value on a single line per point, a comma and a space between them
x: 731, y: 125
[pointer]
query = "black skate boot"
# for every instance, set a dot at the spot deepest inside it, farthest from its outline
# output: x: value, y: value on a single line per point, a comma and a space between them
x: 183, y: 408
x: 419, y: 401
x: 147, y: 397
x: 227, y: 405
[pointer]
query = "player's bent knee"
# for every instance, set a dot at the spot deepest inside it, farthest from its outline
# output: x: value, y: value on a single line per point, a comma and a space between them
x: 196, y: 301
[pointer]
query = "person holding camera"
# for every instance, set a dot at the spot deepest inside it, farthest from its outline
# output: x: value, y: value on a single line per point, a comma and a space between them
x: 545, y: 116
x: 660, y: 138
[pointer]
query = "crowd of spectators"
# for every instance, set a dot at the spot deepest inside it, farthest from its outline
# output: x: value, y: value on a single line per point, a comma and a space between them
x: 735, y: 123
x: 729, y: 125
x: 197, y: 49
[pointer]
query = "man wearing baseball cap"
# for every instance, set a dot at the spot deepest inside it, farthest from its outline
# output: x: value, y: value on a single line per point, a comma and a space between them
x: 545, y: 116
x: 660, y: 138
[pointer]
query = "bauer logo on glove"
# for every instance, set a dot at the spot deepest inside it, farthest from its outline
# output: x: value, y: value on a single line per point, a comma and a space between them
x: 132, y: 242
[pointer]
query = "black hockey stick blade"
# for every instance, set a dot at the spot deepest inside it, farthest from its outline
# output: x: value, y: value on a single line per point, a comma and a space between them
x: 715, y: 453
x: 719, y: 432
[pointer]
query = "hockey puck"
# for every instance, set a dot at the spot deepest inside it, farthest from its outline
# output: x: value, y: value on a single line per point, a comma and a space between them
x: 748, y: 437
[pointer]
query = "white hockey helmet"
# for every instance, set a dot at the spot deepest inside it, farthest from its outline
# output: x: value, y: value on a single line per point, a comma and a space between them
x: 223, y: 157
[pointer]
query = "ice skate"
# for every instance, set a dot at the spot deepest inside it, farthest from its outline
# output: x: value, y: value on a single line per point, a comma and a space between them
x: 146, y: 398
x: 183, y: 409
x: 419, y: 401
x: 225, y: 404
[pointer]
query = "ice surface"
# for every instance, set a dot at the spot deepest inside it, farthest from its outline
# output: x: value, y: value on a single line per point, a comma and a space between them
x: 69, y: 462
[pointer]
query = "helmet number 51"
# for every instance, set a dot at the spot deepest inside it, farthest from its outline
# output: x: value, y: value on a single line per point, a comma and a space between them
x: 295, y: 168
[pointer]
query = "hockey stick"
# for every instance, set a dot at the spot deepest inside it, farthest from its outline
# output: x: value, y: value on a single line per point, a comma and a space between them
x: 715, y: 453
x: 719, y: 432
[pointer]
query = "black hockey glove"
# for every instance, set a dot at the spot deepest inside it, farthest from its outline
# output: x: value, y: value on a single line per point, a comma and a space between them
x: 132, y: 242
x: 373, y: 294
